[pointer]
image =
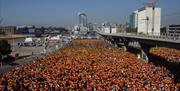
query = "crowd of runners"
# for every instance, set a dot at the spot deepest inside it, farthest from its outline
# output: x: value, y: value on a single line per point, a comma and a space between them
x: 171, y: 55
x: 88, y: 68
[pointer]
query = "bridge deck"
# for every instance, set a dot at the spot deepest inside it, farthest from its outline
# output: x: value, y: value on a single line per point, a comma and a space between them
x: 169, y: 39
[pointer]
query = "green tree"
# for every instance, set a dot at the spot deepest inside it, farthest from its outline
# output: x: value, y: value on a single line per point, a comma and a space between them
x: 62, y: 30
x: 2, y: 33
x: 5, y: 49
x: 38, y: 35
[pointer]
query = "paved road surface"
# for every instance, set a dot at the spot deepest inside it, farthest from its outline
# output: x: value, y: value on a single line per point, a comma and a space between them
x: 27, y: 51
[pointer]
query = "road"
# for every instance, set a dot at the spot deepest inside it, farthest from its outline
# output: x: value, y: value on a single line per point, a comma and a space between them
x: 26, y: 55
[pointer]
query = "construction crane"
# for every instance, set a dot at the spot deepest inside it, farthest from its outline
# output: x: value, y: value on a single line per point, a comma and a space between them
x: 152, y: 3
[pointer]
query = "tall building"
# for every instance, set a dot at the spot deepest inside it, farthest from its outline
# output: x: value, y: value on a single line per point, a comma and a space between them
x: 146, y: 20
x: 82, y: 23
x: 149, y: 20
x: 133, y: 20
x: 82, y: 19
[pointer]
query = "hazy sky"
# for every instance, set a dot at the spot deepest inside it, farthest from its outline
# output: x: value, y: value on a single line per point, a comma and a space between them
x: 64, y: 12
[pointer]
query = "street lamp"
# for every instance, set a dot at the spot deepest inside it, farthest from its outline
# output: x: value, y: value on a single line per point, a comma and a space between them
x: 147, y: 24
x: 147, y: 19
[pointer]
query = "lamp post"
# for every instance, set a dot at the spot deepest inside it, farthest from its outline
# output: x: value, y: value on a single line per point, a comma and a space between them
x: 153, y: 19
x: 147, y: 24
x: 147, y: 19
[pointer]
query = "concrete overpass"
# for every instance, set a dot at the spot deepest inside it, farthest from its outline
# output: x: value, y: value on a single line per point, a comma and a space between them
x: 144, y: 42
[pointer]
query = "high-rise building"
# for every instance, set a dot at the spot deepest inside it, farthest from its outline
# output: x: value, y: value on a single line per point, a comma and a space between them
x: 149, y: 20
x: 133, y: 20
x: 82, y: 23
x: 82, y: 19
x: 146, y: 20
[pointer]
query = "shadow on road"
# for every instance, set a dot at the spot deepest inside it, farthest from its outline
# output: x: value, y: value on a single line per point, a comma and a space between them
x: 20, y: 57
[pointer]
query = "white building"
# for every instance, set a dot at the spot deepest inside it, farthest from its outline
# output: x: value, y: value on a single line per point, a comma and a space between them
x: 80, y: 30
x: 106, y: 29
x: 114, y: 30
x: 109, y: 30
x: 149, y: 20
x: 146, y: 20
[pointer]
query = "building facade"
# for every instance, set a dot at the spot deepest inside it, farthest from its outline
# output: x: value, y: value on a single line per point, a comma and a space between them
x: 149, y: 20
x: 121, y: 29
x: 146, y: 20
x: 171, y: 29
x: 133, y: 20
x: 8, y: 29
x: 114, y: 29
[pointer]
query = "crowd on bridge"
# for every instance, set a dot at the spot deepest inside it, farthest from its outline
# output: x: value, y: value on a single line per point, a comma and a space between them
x: 90, y: 68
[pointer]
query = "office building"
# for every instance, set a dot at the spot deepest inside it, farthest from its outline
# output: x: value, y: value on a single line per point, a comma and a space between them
x: 133, y: 20
x: 149, y: 20
x: 171, y: 29
x: 8, y: 29
x: 146, y: 20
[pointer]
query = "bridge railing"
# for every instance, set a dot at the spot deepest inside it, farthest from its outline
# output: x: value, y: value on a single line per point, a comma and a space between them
x: 173, y: 36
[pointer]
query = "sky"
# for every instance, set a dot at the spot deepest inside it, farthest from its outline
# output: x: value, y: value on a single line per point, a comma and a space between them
x: 64, y: 12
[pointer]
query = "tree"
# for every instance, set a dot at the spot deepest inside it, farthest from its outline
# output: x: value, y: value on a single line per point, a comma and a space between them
x: 5, y: 49
x: 2, y: 33
x: 38, y: 35
x: 62, y: 30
